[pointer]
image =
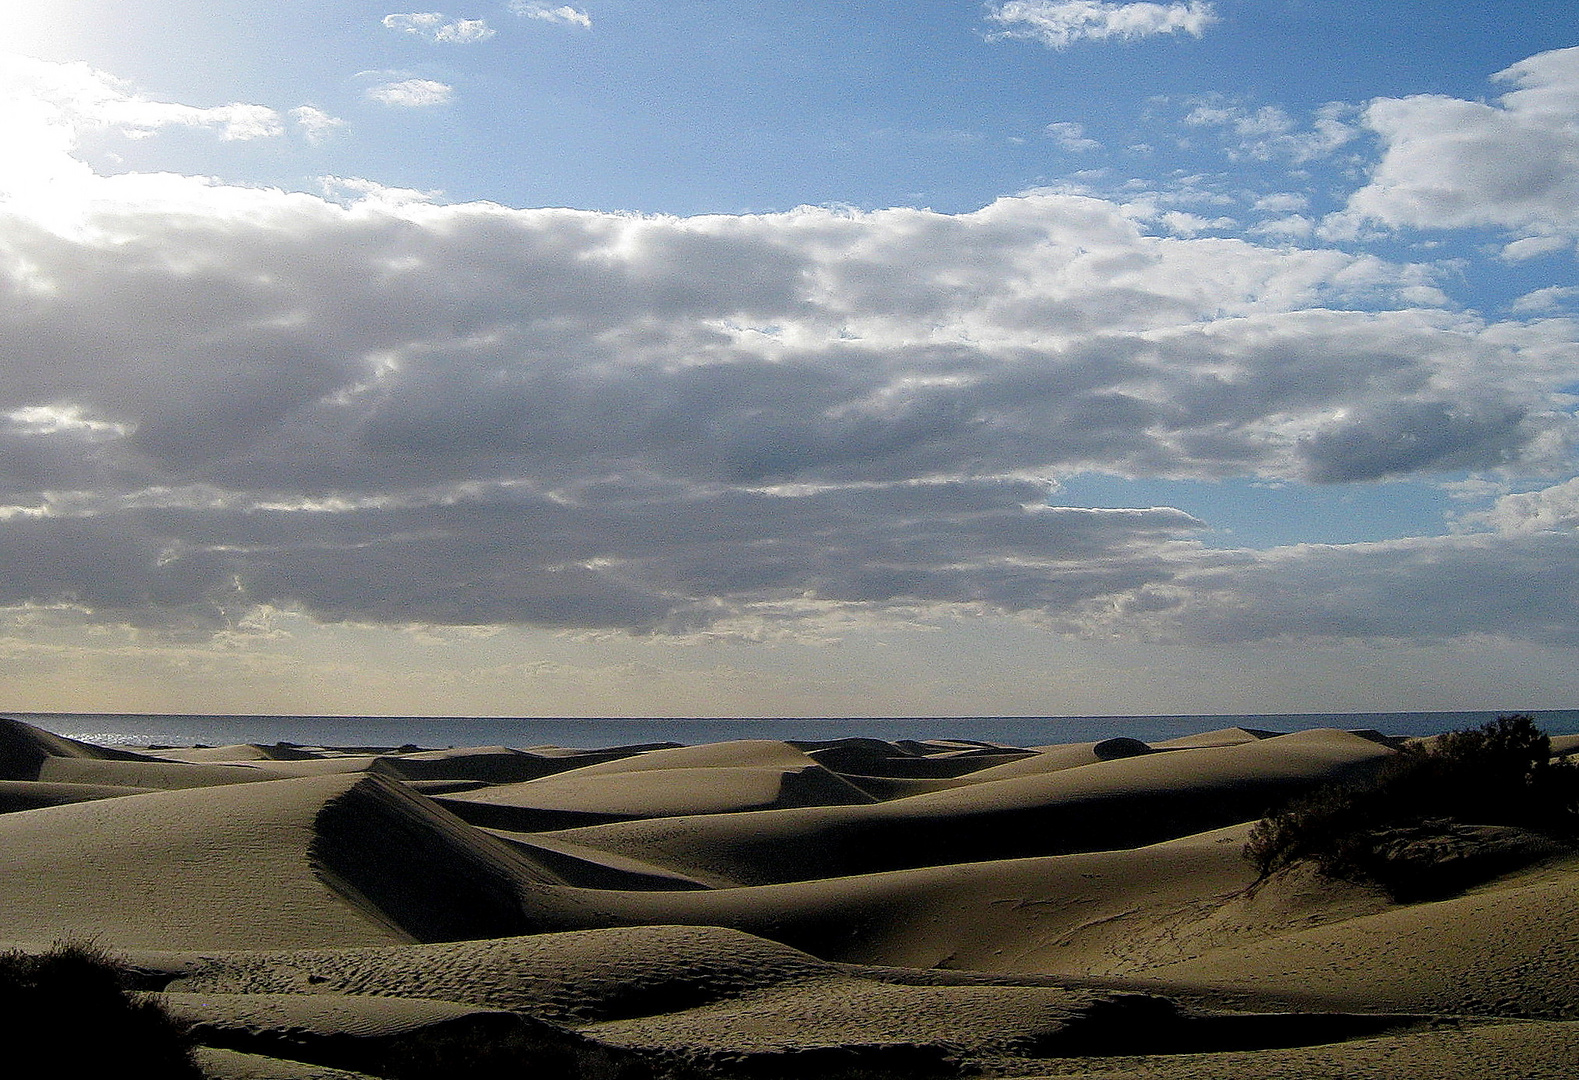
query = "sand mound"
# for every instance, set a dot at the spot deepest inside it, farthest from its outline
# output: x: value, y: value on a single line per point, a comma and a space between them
x: 1230, y: 736
x: 216, y: 867
x: 1506, y: 948
x: 24, y: 749
x: 404, y: 861
x: 494, y: 764
x: 908, y: 759
x: 737, y: 753
x: 31, y: 794
x: 567, y: 978
x: 1000, y: 912
x: 1106, y: 915
x: 1528, y: 1051
x: 701, y: 1001
x: 585, y: 867
x: 1120, y: 803
x: 388, y: 1036
x: 1048, y: 759
x: 314, y: 861
x: 160, y: 775
x: 232, y: 753
x: 234, y: 1065
x: 578, y: 798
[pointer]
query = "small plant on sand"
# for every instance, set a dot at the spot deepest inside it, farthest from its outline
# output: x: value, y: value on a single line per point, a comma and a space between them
x: 1418, y: 813
x: 70, y: 1011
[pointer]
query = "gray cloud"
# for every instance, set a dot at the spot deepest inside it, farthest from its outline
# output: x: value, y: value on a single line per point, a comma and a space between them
x: 393, y: 411
x: 1431, y: 589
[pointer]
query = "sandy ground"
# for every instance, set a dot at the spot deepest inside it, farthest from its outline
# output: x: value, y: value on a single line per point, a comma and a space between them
x: 762, y: 909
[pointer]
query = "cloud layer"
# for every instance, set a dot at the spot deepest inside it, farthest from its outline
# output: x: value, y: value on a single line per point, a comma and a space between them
x: 437, y: 27
x: 1060, y: 23
x: 564, y: 13
x: 412, y: 93
x: 387, y: 410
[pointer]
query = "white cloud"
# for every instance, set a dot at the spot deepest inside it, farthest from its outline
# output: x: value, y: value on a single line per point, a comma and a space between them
x: 1072, y: 137
x: 1552, y: 509
x: 316, y: 124
x: 1282, y: 202
x: 1268, y: 133
x: 412, y: 93
x: 67, y: 99
x: 563, y: 14
x: 1534, y: 247
x: 465, y: 31
x: 1292, y: 227
x: 1183, y: 223
x: 433, y: 26
x: 1060, y: 23
x: 1449, y: 163
x: 1551, y: 298
x: 1267, y: 120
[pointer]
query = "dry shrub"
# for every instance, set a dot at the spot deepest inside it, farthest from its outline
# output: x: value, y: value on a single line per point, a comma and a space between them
x: 1500, y: 774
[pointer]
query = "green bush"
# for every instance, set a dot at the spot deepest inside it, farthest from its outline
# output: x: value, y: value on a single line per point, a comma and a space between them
x: 70, y: 1012
x: 1500, y: 774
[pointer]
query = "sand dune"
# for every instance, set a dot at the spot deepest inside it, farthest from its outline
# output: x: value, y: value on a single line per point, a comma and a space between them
x: 1127, y: 802
x: 24, y: 749
x: 292, y: 862
x: 764, y: 909
x: 32, y: 794
x: 389, y: 1035
x: 1111, y: 913
x: 1504, y: 948
x: 682, y: 995
x: 1055, y: 758
x: 160, y: 775
x: 210, y: 867
x: 575, y: 798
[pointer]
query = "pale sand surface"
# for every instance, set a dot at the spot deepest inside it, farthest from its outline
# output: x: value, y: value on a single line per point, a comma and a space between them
x: 1503, y: 1051
x: 839, y: 909
x: 1054, y: 758
x: 212, y: 867
x: 1510, y: 947
x: 150, y: 774
x: 1108, y: 804
x: 653, y: 793
x: 1217, y: 737
x: 32, y: 794
x: 234, y: 1065
x: 1111, y: 913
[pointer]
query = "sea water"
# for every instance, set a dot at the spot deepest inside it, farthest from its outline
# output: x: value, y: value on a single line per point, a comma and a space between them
x: 132, y: 730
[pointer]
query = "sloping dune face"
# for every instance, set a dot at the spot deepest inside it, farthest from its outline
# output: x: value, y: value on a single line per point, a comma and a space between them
x: 212, y: 867
x: 293, y: 862
x: 1119, y: 803
x: 761, y: 909
x: 674, y: 782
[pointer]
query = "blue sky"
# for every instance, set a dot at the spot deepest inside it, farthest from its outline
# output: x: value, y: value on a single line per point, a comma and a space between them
x: 756, y: 358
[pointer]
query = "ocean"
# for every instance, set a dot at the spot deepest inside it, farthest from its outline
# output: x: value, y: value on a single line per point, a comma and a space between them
x: 437, y: 732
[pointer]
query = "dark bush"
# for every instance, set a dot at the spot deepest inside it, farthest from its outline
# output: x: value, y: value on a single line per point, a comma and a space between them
x: 1500, y: 774
x: 69, y: 1012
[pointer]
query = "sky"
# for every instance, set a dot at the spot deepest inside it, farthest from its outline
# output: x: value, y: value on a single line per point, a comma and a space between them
x: 945, y: 358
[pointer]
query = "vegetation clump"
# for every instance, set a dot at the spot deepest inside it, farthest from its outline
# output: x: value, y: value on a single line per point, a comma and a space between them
x: 71, y: 1011
x: 1435, y: 818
